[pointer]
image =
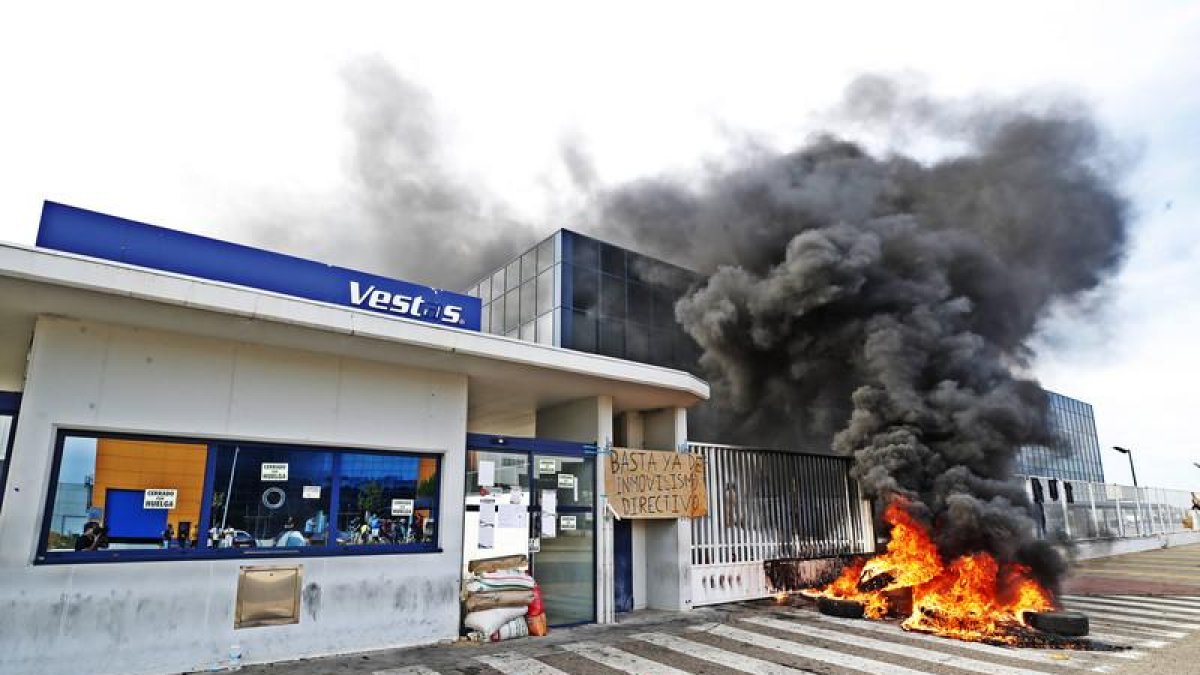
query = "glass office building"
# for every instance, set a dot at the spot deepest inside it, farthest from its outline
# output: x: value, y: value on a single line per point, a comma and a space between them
x: 1075, y: 422
x: 581, y: 293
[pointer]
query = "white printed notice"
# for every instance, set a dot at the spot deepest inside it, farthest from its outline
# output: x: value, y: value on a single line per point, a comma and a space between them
x: 487, y: 523
x: 513, y: 516
x: 547, y: 465
x: 487, y: 511
x: 549, y: 501
x: 487, y: 473
x: 566, y: 481
x: 567, y: 523
x: 159, y: 498
x: 311, y: 492
x: 402, y: 507
x: 548, y: 525
x: 274, y: 471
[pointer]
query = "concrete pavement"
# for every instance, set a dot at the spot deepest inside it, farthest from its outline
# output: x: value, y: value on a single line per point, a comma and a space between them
x: 1162, y: 634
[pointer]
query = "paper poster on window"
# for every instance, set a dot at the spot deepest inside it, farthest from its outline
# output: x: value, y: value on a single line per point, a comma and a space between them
x: 487, y: 473
x: 513, y: 516
x: 159, y: 498
x: 311, y: 492
x: 487, y: 511
x: 549, y: 501
x: 566, y: 481
x: 274, y: 471
x: 487, y: 535
x: 535, y: 545
x: 549, y: 520
x: 566, y: 523
x: 402, y: 507
x: 547, y: 466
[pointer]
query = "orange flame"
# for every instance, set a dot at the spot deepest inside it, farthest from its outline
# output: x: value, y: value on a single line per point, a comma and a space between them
x: 973, y: 598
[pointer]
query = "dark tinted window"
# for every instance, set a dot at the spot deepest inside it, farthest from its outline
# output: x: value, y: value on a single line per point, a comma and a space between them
x: 585, y: 289
x: 585, y: 252
x: 583, y: 332
x: 612, y: 296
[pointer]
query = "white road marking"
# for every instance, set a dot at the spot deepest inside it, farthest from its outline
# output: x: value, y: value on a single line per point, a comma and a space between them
x: 621, y: 660
x: 515, y: 664
x: 1043, y: 657
x: 406, y: 670
x: 1149, y: 617
x: 721, y: 657
x: 1128, y: 641
x: 898, y: 649
x: 1158, y: 600
x: 1140, y: 604
x: 1121, y: 627
x: 809, y: 652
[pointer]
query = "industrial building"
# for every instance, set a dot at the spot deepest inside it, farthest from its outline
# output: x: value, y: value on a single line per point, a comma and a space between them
x: 1078, y: 457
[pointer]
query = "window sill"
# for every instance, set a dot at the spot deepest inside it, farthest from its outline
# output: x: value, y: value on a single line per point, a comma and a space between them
x: 177, y: 555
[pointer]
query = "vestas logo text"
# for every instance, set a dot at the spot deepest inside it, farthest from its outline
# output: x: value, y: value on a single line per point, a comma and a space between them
x: 404, y: 305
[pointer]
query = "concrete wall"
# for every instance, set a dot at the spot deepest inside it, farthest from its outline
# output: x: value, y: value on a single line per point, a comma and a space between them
x: 1103, y: 548
x: 154, y: 617
x: 523, y: 424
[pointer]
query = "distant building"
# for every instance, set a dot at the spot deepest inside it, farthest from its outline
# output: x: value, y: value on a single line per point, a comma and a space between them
x: 1075, y: 423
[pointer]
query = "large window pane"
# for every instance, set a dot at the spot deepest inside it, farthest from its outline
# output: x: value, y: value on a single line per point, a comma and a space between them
x: 545, y: 291
x: 637, y: 342
x: 612, y: 296
x: 498, y: 284
x: 387, y: 499
x: 513, y: 275
x: 512, y: 314
x: 612, y: 338
x: 640, y: 303
x: 270, y: 496
x: 612, y: 260
x: 545, y: 328
x: 498, y: 315
x: 528, y: 301
x: 583, y: 332
x: 545, y: 255
x: 113, y: 493
x: 528, y: 265
x: 585, y: 252
x: 585, y: 288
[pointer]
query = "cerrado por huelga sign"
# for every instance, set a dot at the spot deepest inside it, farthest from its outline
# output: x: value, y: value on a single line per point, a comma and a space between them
x: 655, y: 484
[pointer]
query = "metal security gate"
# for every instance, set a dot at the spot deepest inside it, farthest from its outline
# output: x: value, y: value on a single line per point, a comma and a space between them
x: 767, y: 505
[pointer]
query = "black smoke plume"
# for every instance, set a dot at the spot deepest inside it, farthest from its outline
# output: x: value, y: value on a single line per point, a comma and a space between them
x: 884, y: 305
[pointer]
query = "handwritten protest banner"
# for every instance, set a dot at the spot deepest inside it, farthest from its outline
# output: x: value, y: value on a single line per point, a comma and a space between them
x: 655, y: 484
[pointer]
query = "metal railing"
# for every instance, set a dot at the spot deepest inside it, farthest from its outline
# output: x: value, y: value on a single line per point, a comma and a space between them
x: 1088, y: 510
x: 766, y: 504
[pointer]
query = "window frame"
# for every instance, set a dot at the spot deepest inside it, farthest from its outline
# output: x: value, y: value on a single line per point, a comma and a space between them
x: 330, y: 548
x: 10, y: 406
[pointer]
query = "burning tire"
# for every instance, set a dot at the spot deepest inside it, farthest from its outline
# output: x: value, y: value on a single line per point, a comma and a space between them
x: 1068, y: 624
x: 846, y: 609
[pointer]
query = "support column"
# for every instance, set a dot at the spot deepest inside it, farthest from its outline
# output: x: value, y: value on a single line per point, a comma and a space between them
x: 668, y: 542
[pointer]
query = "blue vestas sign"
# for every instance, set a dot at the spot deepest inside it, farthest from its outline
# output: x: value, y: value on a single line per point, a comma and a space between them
x: 75, y: 230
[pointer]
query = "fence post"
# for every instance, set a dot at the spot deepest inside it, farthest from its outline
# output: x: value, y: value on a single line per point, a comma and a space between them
x: 1120, y: 516
x: 1095, y: 517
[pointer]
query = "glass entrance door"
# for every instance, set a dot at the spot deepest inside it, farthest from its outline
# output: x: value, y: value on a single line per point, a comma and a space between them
x: 555, y: 492
x: 566, y: 565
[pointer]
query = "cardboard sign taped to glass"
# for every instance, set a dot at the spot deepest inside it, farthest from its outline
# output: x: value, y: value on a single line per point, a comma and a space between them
x: 655, y: 483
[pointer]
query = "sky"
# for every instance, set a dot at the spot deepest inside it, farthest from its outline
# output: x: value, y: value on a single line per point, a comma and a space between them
x: 220, y: 120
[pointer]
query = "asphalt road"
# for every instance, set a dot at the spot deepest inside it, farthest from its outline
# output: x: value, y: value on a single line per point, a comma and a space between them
x: 1162, y: 633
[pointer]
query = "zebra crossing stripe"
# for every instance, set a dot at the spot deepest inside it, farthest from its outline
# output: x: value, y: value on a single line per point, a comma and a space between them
x: 721, y: 657
x: 515, y: 664
x: 406, y: 670
x: 1141, y: 604
x: 1043, y: 657
x: 1163, y: 601
x: 1149, y: 617
x: 809, y: 652
x: 1132, y: 629
x: 898, y: 649
x: 621, y: 660
x: 1128, y: 641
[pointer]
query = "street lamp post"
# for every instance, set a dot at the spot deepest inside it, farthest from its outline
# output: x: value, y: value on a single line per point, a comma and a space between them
x: 1129, y: 453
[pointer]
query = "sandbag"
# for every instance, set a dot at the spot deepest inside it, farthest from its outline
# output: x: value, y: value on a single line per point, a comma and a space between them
x: 513, y: 629
x: 493, y: 581
x: 488, y: 621
x: 492, y: 599
x: 536, y: 607
x: 537, y: 625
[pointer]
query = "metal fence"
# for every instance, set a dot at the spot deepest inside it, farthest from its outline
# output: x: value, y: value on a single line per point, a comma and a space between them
x: 765, y: 505
x: 1082, y: 510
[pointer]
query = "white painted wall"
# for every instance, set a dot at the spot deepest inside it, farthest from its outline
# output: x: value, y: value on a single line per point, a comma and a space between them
x: 155, y: 617
x: 668, y: 543
x: 523, y: 424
